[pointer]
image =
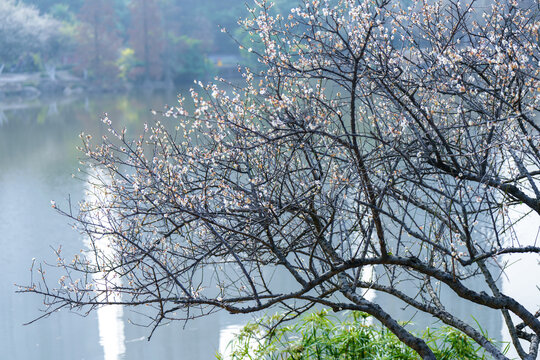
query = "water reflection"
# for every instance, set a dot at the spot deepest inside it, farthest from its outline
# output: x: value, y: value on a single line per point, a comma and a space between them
x: 111, y: 331
x: 3, y: 117
x: 226, y: 335
x: 523, y: 275
x: 110, y: 317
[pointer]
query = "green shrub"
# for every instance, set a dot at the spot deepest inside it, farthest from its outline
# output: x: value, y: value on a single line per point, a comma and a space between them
x: 322, y: 336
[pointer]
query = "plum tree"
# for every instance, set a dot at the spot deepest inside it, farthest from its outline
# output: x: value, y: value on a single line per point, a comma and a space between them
x: 391, y: 136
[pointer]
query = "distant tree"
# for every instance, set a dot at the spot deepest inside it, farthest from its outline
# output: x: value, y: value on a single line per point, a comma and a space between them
x: 45, y: 6
x: 186, y: 59
x: 63, y: 13
x: 126, y: 64
x: 187, y: 39
x: 146, y: 37
x: 98, y: 41
x: 23, y: 30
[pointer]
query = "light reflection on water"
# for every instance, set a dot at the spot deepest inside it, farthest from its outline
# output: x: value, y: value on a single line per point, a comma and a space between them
x: 110, y: 317
x: 226, y: 335
x: 111, y: 331
x: 523, y: 273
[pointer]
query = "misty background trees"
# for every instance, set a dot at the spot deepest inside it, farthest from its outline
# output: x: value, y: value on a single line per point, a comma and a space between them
x: 133, y: 40
x: 27, y: 38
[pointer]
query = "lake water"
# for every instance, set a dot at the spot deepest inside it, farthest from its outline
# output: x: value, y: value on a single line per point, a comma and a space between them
x: 38, y: 154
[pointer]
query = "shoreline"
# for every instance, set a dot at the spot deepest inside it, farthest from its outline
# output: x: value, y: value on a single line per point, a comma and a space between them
x: 29, y: 86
